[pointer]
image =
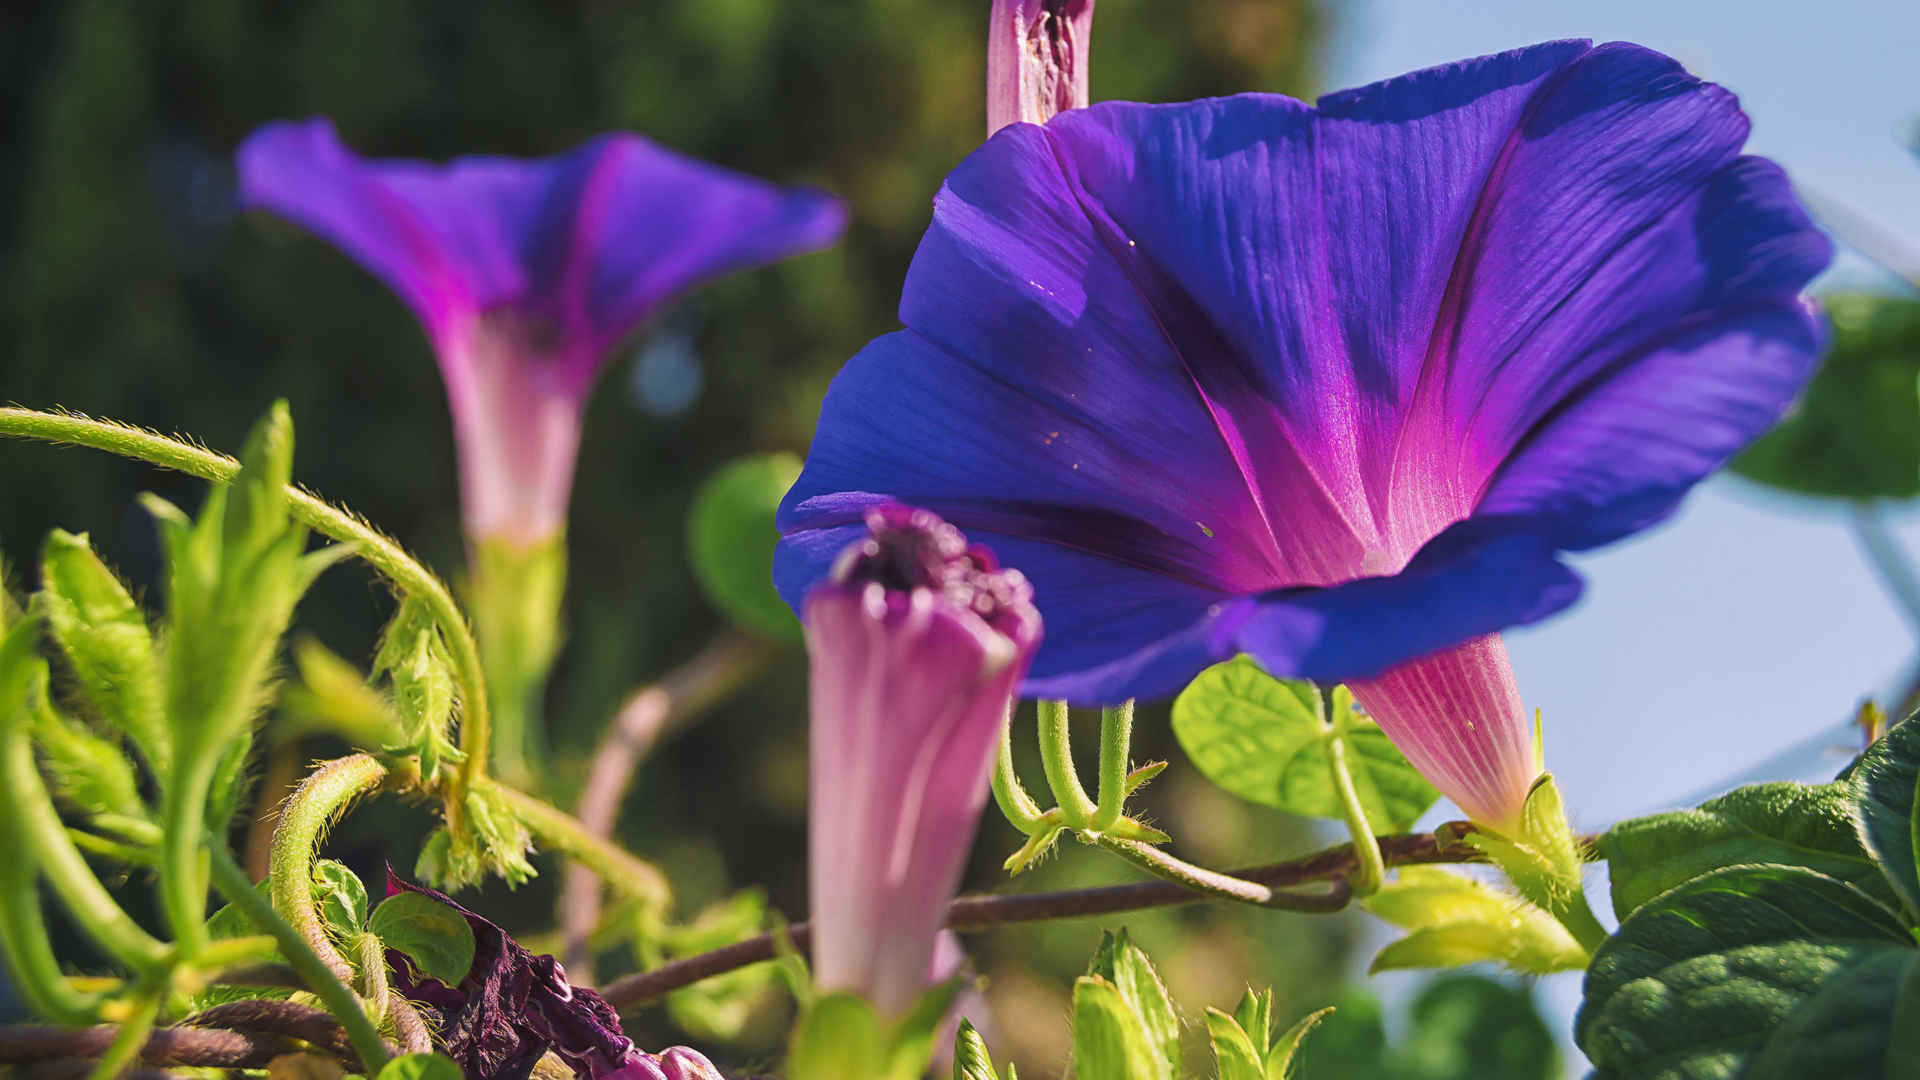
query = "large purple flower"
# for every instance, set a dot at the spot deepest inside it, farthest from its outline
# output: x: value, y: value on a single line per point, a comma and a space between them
x: 526, y: 274
x: 1331, y: 385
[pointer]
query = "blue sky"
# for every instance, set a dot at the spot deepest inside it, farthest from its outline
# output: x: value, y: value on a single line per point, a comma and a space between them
x: 1751, y: 623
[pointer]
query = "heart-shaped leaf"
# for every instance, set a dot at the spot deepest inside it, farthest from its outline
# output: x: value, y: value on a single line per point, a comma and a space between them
x: 434, y: 936
x: 1265, y: 740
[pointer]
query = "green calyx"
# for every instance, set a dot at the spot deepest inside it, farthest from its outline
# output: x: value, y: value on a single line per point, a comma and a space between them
x: 1543, y: 860
x: 514, y: 594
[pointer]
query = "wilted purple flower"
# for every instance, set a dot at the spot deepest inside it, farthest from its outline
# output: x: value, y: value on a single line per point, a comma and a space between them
x: 526, y: 274
x: 513, y: 1007
x: 1330, y: 385
x: 1036, y: 59
x: 916, y: 642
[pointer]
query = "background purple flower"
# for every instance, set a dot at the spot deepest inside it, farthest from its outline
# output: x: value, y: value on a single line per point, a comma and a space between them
x: 915, y: 645
x: 1331, y: 385
x: 526, y: 273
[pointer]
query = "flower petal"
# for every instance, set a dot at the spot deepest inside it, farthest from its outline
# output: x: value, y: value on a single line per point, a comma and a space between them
x: 593, y: 239
x: 1098, y: 455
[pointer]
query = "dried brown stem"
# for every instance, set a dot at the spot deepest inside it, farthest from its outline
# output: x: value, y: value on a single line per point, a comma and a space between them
x: 983, y: 911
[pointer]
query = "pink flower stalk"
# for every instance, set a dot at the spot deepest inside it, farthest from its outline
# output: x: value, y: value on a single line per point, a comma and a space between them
x: 1036, y: 60
x: 526, y: 274
x: 916, y: 641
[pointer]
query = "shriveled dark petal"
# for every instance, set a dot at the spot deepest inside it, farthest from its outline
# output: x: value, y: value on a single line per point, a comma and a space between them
x: 512, y: 1007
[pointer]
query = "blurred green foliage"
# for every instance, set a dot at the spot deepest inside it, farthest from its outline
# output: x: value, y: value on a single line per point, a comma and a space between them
x: 1856, y: 430
x: 129, y: 288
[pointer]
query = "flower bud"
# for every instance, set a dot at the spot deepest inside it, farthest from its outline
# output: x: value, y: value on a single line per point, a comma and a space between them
x: 916, y: 642
x: 1036, y: 60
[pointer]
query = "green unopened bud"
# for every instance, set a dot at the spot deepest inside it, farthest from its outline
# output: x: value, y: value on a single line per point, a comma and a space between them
x: 107, y: 643
x: 256, y: 511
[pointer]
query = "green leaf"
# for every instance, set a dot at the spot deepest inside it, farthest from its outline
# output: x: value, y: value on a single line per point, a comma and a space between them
x: 333, y: 696
x: 1456, y: 920
x: 1264, y: 739
x: 1109, y: 1041
x: 1885, y: 806
x: 1234, y: 1051
x: 341, y: 898
x: 1856, y: 431
x: 434, y: 936
x: 1284, y: 1051
x: 1789, y: 824
x: 105, y: 639
x: 419, y: 1067
x: 838, y: 1038
x: 1120, y: 962
x: 230, y: 922
x: 970, y: 1058
x: 90, y: 774
x: 1254, y: 1014
x: 1750, y: 971
x: 731, y: 536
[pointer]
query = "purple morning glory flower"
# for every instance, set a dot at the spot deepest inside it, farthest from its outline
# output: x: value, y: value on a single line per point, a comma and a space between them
x: 526, y: 274
x: 915, y: 643
x: 513, y: 1007
x: 1332, y: 385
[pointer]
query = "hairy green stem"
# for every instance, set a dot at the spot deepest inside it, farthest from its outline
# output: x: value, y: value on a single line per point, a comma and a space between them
x: 182, y: 879
x: 26, y: 945
x: 111, y: 849
x: 232, y: 883
x: 240, y: 952
x: 1056, y: 757
x: 1224, y: 886
x: 1371, y: 870
x: 1018, y: 806
x: 320, y: 798
x: 1116, y: 740
x: 372, y: 546
x: 562, y: 832
x: 134, y: 1029
x: 37, y: 825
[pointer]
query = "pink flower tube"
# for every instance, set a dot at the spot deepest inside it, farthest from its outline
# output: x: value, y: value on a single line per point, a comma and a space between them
x: 916, y: 642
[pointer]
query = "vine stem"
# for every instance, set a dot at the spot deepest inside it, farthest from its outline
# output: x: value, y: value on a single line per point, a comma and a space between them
x: 1116, y: 739
x: 373, y: 547
x: 321, y: 798
x: 1371, y: 870
x: 37, y: 824
x: 1015, y: 804
x: 980, y: 912
x: 232, y: 883
x: 1056, y: 757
